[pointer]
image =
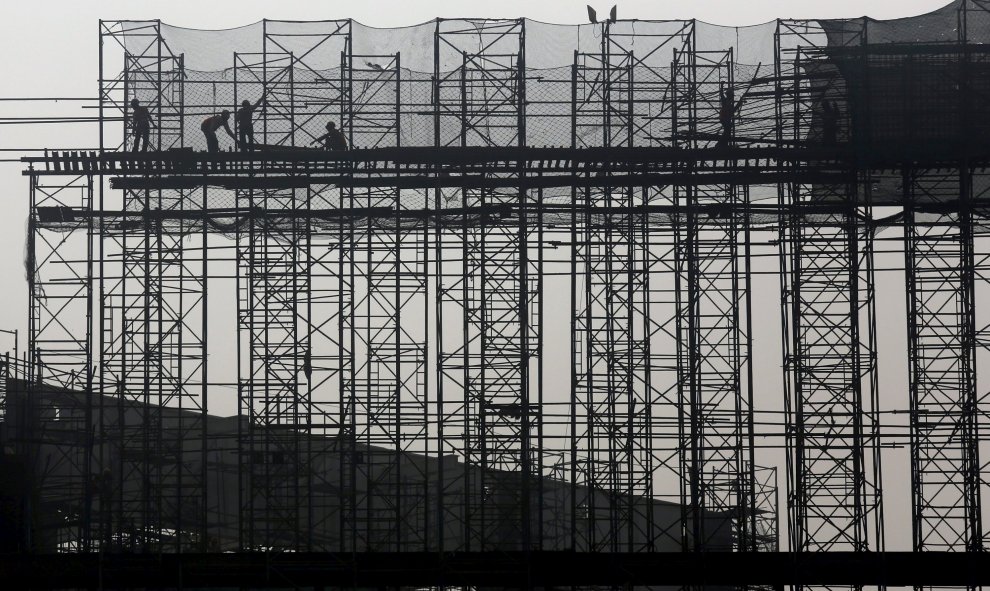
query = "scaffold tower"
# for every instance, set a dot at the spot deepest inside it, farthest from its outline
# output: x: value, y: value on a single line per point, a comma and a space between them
x: 588, y: 289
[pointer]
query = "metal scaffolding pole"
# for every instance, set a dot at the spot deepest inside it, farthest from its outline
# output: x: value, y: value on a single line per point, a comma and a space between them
x: 487, y: 368
x: 939, y: 276
x: 274, y: 402
x: 399, y: 302
x: 826, y: 265
x: 60, y: 284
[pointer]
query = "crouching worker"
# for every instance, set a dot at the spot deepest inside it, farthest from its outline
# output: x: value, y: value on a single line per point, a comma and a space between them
x: 333, y: 139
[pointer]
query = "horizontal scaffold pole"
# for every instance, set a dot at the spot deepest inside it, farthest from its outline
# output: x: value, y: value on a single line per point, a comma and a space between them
x: 523, y: 569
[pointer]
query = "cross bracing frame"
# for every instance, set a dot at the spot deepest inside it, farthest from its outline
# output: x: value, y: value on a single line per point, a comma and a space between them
x: 274, y: 394
x: 834, y: 489
x: 486, y: 371
x: 60, y: 326
x: 714, y: 319
x: 830, y: 365
x: 153, y: 354
x: 151, y: 325
x: 945, y: 411
x: 484, y: 94
x: 296, y: 90
x: 399, y: 305
x: 149, y: 72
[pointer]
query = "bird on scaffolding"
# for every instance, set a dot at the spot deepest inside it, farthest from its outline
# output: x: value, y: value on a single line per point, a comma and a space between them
x: 593, y: 15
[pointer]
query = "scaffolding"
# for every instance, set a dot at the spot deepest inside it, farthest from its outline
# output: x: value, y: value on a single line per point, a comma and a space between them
x: 515, y: 194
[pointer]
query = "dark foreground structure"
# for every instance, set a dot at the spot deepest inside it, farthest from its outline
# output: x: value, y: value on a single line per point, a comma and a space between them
x: 507, y: 338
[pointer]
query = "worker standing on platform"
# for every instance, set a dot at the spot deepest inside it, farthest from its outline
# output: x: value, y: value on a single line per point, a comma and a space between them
x: 726, y: 116
x: 210, y: 127
x: 333, y: 139
x: 245, y: 123
x: 140, y: 124
x: 830, y: 123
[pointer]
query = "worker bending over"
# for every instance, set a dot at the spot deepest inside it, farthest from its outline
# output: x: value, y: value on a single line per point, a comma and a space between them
x: 213, y: 124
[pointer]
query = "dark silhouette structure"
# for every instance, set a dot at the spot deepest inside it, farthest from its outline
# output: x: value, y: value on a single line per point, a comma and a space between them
x: 141, y: 125
x: 328, y: 460
x: 517, y: 314
x: 333, y: 139
x: 245, y: 123
x: 727, y: 116
x: 830, y: 122
x: 211, y: 125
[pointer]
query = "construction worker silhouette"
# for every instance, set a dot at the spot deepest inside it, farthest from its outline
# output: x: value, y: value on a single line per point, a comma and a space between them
x: 727, y: 116
x: 245, y: 123
x: 213, y: 124
x: 333, y: 139
x: 140, y: 125
x: 830, y: 122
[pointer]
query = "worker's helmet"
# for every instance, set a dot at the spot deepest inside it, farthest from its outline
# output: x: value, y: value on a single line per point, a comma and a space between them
x: 331, y: 125
x: 225, y: 114
x: 135, y: 102
x: 245, y: 103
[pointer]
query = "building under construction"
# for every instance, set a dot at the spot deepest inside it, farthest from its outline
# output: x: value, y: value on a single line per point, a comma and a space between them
x: 517, y: 333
